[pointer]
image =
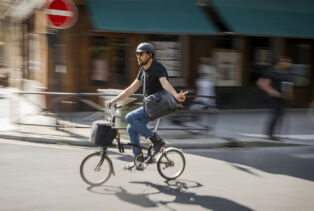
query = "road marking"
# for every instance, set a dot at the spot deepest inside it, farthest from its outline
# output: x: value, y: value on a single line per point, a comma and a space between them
x: 301, y: 137
x: 304, y: 155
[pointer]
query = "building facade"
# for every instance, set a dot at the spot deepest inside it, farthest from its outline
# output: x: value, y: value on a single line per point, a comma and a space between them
x: 97, y: 52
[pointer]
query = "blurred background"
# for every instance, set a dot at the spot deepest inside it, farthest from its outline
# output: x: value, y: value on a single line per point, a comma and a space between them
x: 95, y: 51
x: 61, y: 59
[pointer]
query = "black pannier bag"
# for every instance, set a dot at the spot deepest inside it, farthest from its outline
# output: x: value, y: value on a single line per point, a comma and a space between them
x: 103, y: 133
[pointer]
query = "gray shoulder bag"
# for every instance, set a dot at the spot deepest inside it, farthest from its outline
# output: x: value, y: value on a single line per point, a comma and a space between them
x: 158, y: 104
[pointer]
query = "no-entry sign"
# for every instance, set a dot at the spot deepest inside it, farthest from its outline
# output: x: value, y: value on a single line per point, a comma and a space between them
x: 61, y: 14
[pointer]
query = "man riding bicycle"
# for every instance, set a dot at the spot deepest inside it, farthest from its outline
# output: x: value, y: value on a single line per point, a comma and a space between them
x: 156, y: 81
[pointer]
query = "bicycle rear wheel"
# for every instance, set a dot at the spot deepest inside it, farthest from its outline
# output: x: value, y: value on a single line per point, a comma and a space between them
x: 96, y: 169
x: 171, y: 164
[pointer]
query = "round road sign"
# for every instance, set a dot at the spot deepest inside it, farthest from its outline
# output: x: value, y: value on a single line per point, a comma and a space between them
x: 61, y: 14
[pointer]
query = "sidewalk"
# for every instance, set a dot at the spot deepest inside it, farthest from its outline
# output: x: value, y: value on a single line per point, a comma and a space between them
x: 80, y: 136
x: 69, y: 137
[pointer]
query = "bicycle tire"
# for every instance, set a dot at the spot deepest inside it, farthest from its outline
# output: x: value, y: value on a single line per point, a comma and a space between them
x: 104, y: 163
x: 165, y: 161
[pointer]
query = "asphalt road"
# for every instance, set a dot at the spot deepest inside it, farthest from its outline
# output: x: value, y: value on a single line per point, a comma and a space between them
x: 296, y: 125
x: 46, y: 177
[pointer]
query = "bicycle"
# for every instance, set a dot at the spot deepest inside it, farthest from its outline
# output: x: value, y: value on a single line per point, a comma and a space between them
x: 97, y: 167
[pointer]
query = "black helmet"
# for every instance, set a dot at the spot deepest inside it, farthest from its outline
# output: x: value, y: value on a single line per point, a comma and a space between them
x: 146, y: 47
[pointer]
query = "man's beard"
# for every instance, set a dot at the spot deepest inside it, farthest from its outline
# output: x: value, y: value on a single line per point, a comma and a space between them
x: 142, y: 63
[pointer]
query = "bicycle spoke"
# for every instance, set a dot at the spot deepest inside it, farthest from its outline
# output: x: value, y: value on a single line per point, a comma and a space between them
x: 96, y: 169
x: 171, y: 164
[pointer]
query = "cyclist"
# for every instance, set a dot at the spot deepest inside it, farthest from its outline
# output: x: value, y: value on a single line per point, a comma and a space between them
x: 156, y: 81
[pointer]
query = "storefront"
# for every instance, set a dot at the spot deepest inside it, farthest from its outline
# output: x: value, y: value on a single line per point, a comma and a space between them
x: 265, y: 30
x: 98, y: 51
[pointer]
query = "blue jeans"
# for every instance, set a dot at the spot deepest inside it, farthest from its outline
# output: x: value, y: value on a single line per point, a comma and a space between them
x: 137, y: 125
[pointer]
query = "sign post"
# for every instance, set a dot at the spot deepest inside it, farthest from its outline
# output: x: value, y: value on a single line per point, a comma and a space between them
x: 61, y: 14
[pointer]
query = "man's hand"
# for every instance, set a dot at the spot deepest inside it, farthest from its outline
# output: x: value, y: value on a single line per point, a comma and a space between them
x: 274, y: 93
x: 181, y: 96
x: 108, y: 103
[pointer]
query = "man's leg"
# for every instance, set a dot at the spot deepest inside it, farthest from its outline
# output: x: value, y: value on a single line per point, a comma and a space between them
x: 276, y: 113
x: 134, y: 139
x: 138, y: 121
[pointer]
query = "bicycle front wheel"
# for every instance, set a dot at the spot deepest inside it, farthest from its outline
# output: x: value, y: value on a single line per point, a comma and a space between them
x: 96, y: 169
x: 171, y: 164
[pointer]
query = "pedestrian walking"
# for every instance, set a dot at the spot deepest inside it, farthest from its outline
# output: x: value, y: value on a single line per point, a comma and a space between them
x: 276, y: 83
x: 156, y: 81
x: 205, y: 86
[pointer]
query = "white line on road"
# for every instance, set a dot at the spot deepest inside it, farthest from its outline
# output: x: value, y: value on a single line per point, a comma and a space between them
x: 305, y: 155
x: 301, y: 137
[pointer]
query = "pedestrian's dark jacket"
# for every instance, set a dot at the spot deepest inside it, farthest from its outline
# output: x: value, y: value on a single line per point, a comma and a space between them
x: 277, y: 79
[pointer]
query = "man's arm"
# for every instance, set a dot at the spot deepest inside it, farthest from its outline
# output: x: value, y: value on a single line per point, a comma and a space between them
x: 265, y: 84
x: 167, y: 86
x: 127, y: 92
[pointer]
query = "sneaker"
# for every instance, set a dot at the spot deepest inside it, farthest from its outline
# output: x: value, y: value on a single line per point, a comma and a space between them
x: 157, y: 143
x: 139, y: 160
x: 157, y: 147
x: 129, y: 166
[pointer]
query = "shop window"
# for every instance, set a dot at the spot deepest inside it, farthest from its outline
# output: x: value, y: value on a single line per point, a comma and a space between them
x: 169, y: 53
x: 227, y: 60
x: 301, y: 57
x: 109, y: 61
x: 228, y: 66
x: 261, y: 54
x: 99, y: 61
x: 260, y: 57
x: 120, y: 47
x: 224, y: 43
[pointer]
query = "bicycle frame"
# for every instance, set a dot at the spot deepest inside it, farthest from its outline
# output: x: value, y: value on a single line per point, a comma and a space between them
x: 112, y: 119
x: 162, y: 160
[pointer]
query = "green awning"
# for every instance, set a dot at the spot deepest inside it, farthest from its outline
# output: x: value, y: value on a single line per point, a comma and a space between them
x: 285, y: 18
x: 150, y: 16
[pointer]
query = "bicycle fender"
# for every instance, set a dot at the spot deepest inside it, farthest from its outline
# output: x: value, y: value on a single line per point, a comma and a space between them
x: 173, y: 148
x: 166, y: 150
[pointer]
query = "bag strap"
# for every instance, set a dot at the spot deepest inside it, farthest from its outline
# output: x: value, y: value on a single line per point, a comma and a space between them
x: 144, y: 83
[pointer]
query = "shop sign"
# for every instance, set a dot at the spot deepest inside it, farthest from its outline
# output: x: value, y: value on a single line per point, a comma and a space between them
x: 61, y: 14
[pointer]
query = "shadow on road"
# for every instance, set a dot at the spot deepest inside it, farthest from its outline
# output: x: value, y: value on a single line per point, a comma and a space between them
x: 178, y: 189
x: 274, y: 162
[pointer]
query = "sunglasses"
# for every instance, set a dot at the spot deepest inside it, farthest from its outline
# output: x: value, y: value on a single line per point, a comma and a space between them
x: 139, y: 53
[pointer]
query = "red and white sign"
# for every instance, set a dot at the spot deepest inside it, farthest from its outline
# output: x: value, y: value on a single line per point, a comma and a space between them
x: 61, y: 14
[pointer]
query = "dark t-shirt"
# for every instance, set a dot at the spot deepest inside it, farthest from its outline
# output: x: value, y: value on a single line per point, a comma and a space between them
x: 277, y: 79
x: 153, y: 74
